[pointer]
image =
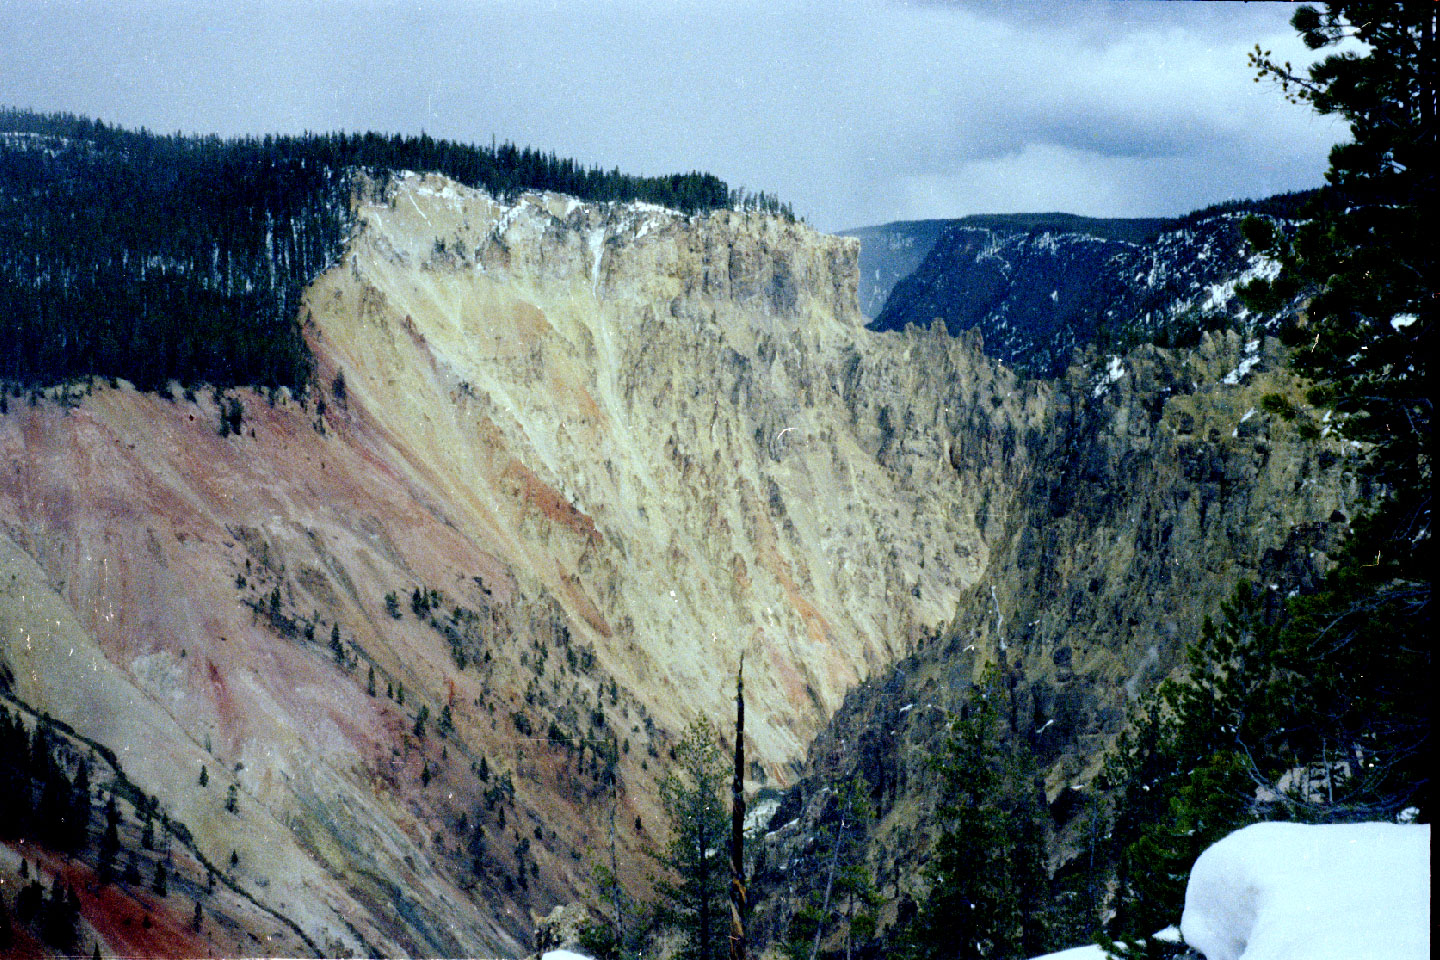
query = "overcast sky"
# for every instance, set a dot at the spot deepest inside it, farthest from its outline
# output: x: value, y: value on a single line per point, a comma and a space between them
x: 857, y: 113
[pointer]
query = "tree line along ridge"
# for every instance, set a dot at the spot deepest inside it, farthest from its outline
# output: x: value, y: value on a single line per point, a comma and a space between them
x: 124, y: 253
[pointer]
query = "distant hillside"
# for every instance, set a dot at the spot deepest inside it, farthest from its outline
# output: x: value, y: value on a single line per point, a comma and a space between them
x: 1038, y: 286
x: 888, y: 254
x: 893, y: 251
x: 1136, y: 230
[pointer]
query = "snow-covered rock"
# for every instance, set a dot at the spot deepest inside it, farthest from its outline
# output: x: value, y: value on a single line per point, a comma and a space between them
x: 1287, y: 891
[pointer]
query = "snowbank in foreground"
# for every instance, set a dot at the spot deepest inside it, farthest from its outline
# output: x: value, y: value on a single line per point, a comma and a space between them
x: 1287, y: 891
x: 1091, y: 952
x: 1096, y: 952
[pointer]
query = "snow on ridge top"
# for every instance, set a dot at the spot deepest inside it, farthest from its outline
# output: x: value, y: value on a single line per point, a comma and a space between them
x: 1289, y: 891
x: 558, y: 205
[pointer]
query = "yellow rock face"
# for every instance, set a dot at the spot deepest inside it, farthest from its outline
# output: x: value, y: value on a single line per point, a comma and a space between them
x: 677, y: 426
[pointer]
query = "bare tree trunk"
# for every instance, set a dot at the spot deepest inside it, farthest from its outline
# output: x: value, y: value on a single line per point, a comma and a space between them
x: 829, y: 885
x: 737, y: 824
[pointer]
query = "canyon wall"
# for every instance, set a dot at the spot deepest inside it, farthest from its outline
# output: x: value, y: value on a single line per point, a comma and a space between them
x: 435, y: 627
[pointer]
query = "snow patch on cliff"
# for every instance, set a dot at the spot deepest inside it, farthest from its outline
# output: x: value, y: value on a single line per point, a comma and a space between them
x: 1114, y: 370
x: 1248, y: 361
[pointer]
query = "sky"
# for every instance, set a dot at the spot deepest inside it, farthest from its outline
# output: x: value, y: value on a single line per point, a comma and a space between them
x: 856, y: 113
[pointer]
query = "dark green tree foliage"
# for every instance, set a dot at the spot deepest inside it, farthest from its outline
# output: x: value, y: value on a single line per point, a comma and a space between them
x: 1264, y: 725
x: 109, y: 842
x: 1182, y: 771
x: 128, y: 254
x: 1366, y: 260
x: 38, y: 800
x: 59, y: 919
x: 987, y: 881
x: 7, y: 933
x: 55, y: 918
x: 693, y: 896
x: 1367, y: 263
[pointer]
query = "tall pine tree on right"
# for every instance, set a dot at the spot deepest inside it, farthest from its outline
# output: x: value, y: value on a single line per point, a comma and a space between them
x: 1316, y: 707
x: 1357, y: 653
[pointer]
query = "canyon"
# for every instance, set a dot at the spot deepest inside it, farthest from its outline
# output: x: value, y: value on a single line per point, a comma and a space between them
x: 563, y: 464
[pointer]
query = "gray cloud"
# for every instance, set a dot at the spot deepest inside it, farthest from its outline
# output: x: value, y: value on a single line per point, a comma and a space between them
x: 856, y: 112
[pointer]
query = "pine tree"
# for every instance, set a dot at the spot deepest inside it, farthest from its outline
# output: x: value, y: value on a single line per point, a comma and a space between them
x: 109, y: 842
x: 7, y: 934
x: 59, y: 917
x: 842, y: 897
x: 986, y: 879
x: 1332, y: 684
x: 1365, y: 264
x: 78, y: 820
x: 1186, y: 772
x: 693, y: 894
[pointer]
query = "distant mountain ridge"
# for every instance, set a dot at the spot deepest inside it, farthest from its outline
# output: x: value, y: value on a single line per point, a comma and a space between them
x: 893, y: 251
x: 1039, y: 286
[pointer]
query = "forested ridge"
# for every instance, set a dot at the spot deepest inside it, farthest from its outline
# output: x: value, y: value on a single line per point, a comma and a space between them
x: 125, y: 253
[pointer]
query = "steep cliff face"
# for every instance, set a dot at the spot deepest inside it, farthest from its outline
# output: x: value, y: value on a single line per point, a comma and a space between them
x: 679, y: 428
x: 568, y: 461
